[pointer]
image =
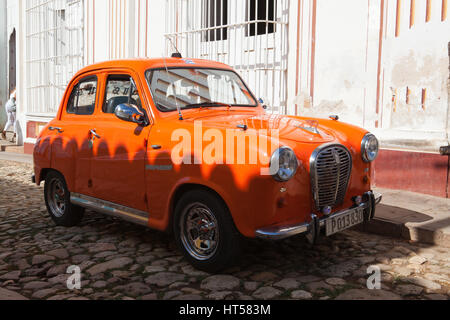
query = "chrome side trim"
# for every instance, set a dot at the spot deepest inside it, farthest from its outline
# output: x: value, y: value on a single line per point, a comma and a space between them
x: 110, y: 208
x: 279, y: 233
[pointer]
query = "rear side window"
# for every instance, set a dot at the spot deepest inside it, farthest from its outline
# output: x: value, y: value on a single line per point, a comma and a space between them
x: 120, y: 89
x: 83, y: 97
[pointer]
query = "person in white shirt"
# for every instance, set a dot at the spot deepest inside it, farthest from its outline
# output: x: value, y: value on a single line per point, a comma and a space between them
x: 11, y: 112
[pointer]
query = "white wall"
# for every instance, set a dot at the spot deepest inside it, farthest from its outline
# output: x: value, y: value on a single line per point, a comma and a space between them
x: 113, y: 29
x: 3, y: 66
x: 345, y: 59
x: 119, y: 29
x: 348, y: 68
x: 334, y: 70
x: 417, y: 59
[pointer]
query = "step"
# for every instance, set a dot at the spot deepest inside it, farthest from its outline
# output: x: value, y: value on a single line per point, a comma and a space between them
x: 5, y: 144
x: 412, y: 216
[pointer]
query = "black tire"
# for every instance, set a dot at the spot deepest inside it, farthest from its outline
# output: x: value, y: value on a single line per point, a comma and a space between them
x: 57, y: 201
x: 228, y: 244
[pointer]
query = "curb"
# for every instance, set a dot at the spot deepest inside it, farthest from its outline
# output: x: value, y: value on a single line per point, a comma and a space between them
x: 16, y: 157
x: 406, y: 231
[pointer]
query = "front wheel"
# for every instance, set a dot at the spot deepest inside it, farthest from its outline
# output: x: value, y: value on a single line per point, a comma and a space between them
x: 205, y: 231
x: 57, y: 201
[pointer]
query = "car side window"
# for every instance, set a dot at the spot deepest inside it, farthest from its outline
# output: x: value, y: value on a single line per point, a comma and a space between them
x: 83, y: 97
x: 120, y: 89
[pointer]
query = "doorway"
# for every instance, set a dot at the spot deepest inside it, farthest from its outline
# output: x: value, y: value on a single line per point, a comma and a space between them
x: 12, y: 61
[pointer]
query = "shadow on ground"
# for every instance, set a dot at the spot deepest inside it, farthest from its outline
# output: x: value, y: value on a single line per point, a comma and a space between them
x: 120, y: 260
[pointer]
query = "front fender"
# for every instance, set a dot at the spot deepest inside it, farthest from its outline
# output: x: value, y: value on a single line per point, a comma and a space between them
x: 42, y: 154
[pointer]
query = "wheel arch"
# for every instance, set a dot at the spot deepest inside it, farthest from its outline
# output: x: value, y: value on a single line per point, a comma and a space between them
x: 183, y: 189
x: 44, y: 173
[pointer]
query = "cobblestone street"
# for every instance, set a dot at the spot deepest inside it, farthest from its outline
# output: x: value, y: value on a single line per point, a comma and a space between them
x: 123, y: 261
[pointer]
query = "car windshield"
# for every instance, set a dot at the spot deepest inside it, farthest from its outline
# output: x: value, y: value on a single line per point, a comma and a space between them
x: 196, y: 88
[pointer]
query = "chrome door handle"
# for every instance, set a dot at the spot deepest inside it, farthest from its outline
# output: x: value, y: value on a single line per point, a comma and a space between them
x: 94, y: 133
x: 60, y: 130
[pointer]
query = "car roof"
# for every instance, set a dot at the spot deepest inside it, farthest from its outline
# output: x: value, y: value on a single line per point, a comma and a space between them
x: 142, y: 64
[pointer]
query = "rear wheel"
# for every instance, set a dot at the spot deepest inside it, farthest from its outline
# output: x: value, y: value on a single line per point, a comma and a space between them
x: 57, y: 201
x: 205, y: 231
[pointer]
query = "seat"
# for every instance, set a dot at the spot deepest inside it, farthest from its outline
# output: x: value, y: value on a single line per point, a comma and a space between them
x: 112, y: 103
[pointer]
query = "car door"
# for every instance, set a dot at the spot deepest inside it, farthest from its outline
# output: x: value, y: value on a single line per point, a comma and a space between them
x: 118, y: 167
x: 72, y: 143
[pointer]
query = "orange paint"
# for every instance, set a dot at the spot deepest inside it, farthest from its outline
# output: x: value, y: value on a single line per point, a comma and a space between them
x: 412, y: 14
x: 116, y: 45
x: 93, y: 31
x: 313, y: 49
x: 87, y: 32
x: 298, y: 54
x: 428, y: 13
x: 380, y: 54
x: 408, y: 94
x: 139, y: 28
x: 398, y: 18
x: 424, y: 98
x: 112, y: 167
x: 444, y: 10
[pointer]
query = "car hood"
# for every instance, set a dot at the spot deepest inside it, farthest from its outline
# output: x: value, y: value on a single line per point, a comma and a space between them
x: 292, y: 128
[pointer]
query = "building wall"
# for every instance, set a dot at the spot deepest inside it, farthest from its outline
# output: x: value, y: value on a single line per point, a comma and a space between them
x: 415, y: 75
x: 12, y: 22
x: 372, y: 66
x: 3, y: 66
x: 110, y: 29
x: 382, y: 65
x: 118, y: 29
x: 379, y: 64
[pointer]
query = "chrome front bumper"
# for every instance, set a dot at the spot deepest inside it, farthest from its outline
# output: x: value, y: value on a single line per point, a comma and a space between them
x: 313, y: 228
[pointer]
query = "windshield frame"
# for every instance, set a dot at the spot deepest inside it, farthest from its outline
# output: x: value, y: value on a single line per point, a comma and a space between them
x: 148, y: 71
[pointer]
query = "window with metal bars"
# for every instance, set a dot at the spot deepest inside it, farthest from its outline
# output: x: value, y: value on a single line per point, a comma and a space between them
x: 54, y: 51
x: 260, y: 11
x: 215, y: 15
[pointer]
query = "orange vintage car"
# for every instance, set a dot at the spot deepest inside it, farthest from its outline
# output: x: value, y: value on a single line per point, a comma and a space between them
x: 183, y: 145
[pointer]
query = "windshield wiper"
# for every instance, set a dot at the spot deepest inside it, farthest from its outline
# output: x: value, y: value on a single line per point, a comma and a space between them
x: 206, y: 104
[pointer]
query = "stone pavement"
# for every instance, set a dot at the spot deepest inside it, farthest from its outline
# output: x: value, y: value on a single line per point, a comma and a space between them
x: 119, y: 260
x: 401, y: 214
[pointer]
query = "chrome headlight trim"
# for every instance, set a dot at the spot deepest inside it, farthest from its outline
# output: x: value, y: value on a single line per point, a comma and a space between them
x: 368, y: 152
x: 283, y: 173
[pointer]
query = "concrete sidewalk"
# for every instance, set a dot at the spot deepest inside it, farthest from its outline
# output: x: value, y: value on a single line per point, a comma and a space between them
x: 16, y: 157
x: 412, y: 216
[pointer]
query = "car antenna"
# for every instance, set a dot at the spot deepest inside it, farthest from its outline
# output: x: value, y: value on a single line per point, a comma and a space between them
x: 174, y: 91
x: 177, y: 54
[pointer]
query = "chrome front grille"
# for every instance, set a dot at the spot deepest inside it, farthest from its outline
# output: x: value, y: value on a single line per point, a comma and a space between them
x: 331, y: 167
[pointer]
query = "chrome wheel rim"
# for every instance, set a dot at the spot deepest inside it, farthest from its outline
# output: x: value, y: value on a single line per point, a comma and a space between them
x: 56, y: 198
x: 199, y: 231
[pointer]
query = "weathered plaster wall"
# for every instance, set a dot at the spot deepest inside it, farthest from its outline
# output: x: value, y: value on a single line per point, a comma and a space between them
x: 416, y: 72
x: 379, y: 64
x: 344, y: 68
x: 3, y: 66
x: 346, y: 46
x: 14, y: 22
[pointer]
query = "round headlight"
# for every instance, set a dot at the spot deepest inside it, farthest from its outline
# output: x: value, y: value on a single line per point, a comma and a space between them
x: 284, y: 164
x: 369, y: 148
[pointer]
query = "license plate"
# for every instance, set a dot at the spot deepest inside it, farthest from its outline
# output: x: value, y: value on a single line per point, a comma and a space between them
x: 344, y: 221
